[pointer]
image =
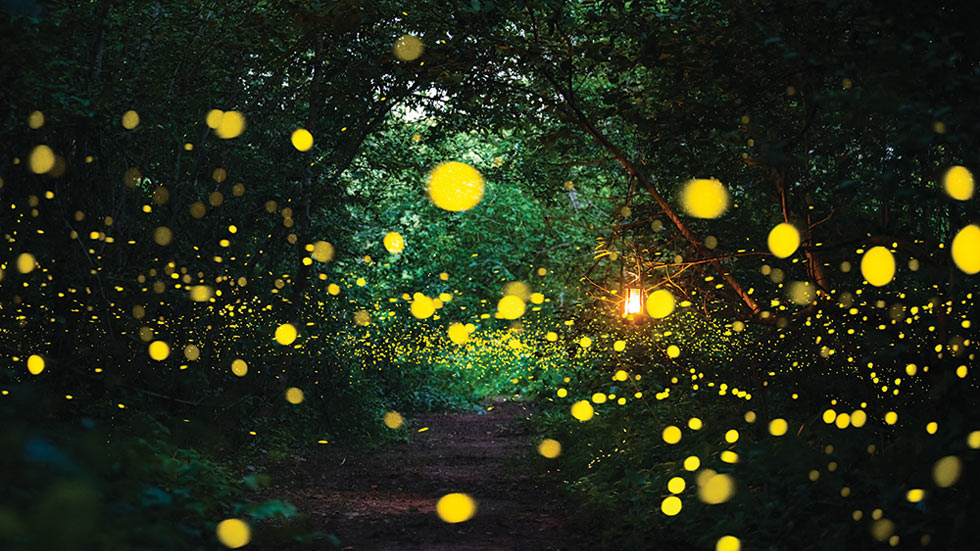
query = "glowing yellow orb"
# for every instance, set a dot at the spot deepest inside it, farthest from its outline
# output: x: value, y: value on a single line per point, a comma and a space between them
x: 704, y: 198
x: 294, y: 395
x: 41, y: 159
x: 731, y: 436
x: 582, y: 410
x: 878, y: 266
x: 323, y: 251
x: 394, y: 243
x: 778, y: 427
x: 619, y: 346
x: 458, y: 333
x: 728, y: 543
x: 455, y: 186
x: 784, y: 239
x: 518, y: 289
x: 130, y: 120
x: 947, y: 471
x: 728, y: 456
x: 362, y: 317
x: 673, y: 351
x: 163, y: 236
x: 660, y: 303
x: 671, y: 505
x: 549, y: 448
x: 232, y: 125
x: 511, y: 307
x: 801, y: 292
x: 35, y: 120
x: 958, y: 183
x: 26, y: 263
x: 35, y: 364
x: 717, y: 489
x: 201, y: 293
x: 159, y: 350
x: 408, y: 48
x: 393, y: 420
x: 455, y: 508
x: 302, y: 139
x: 676, y: 485
x: 671, y: 435
x: 239, y: 367
x: 213, y: 118
x: 422, y: 306
x: 966, y: 249
x: 233, y: 533
x: 286, y: 334
x: 692, y: 463
x: 192, y: 352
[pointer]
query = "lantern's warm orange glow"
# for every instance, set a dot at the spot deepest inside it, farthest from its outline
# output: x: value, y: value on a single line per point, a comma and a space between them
x: 634, y: 302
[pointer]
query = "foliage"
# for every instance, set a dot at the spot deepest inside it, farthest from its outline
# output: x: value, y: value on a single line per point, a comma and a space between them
x: 585, y: 119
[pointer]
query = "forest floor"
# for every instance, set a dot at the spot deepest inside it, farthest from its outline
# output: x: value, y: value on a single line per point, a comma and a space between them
x: 385, y: 499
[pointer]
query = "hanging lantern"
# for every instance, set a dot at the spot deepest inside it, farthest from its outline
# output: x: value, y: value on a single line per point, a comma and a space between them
x: 634, y: 301
x: 633, y: 293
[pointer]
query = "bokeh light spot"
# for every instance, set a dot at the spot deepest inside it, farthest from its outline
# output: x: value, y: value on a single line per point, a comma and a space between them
x: 704, y: 198
x: 947, y: 470
x: 966, y: 249
x: 456, y: 507
x: 286, y: 334
x: 408, y: 48
x: 784, y: 239
x: 671, y: 434
x: 130, y: 120
x: 394, y: 243
x: 41, y: 159
x: 301, y: 139
x: 231, y: 126
x: 778, y: 427
x: 958, y: 183
x: 719, y: 488
x: 878, y: 266
x: 549, y: 448
x: 582, y: 410
x: 455, y: 186
x: 728, y: 543
x: 393, y: 420
x: 159, y: 350
x: 233, y: 533
x: 35, y: 364
x: 671, y: 505
x: 660, y: 303
x: 294, y: 395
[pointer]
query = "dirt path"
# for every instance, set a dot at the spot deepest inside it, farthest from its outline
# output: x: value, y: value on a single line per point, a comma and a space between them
x: 386, y: 499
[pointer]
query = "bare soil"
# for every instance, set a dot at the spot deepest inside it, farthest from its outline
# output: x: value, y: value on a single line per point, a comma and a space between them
x: 385, y: 500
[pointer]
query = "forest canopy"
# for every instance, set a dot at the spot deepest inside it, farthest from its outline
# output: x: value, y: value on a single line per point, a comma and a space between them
x: 727, y: 251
